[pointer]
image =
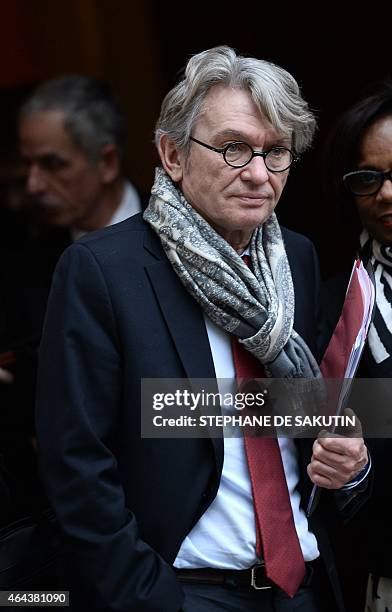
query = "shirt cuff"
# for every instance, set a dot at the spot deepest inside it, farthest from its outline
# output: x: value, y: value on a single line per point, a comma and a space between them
x: 359, y: 477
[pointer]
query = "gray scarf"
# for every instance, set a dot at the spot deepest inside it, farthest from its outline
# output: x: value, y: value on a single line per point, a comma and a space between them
x: 255, y: 305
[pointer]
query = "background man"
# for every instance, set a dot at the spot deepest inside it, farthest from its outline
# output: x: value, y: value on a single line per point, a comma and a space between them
x: 148, y: 521
x: 71, y: 132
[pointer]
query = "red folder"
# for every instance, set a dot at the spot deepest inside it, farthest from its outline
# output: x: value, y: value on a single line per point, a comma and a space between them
x: 344, y: 350
x: 336, y: 357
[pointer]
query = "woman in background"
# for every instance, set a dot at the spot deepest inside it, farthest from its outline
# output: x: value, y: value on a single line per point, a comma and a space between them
x: 360, y: 181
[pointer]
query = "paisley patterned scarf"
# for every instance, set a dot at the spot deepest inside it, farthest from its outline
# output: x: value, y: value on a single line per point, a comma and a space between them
x: 255, y: 305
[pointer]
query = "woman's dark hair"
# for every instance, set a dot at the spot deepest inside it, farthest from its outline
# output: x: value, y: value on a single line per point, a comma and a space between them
x: 344, y: 147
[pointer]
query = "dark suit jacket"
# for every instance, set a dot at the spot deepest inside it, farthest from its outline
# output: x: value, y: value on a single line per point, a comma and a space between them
x: 367, y: 540
x: 118, y: 313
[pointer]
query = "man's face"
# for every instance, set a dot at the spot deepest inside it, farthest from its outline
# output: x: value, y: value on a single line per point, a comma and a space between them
x: 375, y: 211
x: 233, y: 200
x: 63, y: 184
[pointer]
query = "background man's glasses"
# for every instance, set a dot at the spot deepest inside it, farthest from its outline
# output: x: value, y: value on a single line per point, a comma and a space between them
x: 238, y: 154
x: 365, y: 182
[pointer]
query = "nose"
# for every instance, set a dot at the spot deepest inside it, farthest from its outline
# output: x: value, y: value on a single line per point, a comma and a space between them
x: 256, y: 171
x: 35, y: 182
x: 385, y: 193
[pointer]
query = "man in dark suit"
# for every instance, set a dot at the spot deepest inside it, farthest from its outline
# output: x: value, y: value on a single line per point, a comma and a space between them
x: 72, y: 140
x: 194, y: 523
x: 71, y: 133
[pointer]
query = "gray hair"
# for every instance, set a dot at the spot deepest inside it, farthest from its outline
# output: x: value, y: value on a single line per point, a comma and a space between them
x: 92, y: 116
x: 274, y: 91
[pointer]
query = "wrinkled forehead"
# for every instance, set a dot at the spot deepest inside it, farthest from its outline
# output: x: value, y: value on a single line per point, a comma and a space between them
x: 44, y: 132
x: 233, y: 111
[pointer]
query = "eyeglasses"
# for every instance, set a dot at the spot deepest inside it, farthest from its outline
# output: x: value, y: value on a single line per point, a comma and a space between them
x: 365, y: 182
x: 238, y: 154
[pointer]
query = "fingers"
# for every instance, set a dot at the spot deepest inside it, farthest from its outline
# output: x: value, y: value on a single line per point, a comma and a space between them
x: 336, y: 460
x: 339, y: 445
x: 330, y: 477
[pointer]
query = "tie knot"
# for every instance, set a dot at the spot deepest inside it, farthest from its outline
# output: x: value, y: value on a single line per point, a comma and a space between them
x: 246, y: 260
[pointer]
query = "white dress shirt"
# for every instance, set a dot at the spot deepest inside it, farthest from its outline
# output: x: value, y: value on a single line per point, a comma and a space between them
x: 225, y: 536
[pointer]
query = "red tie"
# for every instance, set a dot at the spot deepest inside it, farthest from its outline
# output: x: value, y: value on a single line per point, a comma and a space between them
x: 275, y: 529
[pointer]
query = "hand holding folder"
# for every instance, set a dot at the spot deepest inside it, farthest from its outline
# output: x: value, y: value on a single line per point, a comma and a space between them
x: 344, y: 350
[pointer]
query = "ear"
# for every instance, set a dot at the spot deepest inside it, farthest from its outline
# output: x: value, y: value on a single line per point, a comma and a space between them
x: 172, y: 159
x: 109, y: 163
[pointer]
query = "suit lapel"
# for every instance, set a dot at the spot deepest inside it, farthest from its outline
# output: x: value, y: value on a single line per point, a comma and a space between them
x: 185, y: 321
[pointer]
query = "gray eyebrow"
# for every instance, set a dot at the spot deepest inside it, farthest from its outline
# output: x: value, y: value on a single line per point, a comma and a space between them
x: 232, y: 133
x: 282, y: 140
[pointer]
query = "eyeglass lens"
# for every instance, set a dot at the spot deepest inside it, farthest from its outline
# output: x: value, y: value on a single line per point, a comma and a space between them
x: 240, y: 153
x: 365, y: 182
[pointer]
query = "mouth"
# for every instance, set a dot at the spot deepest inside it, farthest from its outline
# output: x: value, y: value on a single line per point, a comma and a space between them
x: 386, y: 220
x: 253, y: 199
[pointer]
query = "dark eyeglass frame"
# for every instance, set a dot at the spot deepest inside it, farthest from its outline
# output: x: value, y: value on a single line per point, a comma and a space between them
x: 382, y: 176
x: 263, y: 154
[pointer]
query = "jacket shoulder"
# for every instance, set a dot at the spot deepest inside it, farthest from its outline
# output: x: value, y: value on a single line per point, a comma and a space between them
x: 294, y: 239
x: 113, y: 233
x: 130, y: 242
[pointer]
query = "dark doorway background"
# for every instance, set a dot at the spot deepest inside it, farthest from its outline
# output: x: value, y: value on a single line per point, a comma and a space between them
x: 333, y: 49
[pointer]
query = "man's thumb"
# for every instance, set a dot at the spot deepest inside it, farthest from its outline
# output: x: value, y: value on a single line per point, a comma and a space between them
x: 351, y: 430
